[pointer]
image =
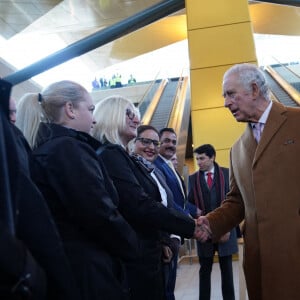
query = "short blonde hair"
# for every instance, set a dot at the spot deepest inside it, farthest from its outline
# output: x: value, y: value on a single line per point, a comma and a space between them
x: 110, y: 117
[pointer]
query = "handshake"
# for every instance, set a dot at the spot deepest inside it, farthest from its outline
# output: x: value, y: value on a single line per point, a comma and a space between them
x: 202, y: 231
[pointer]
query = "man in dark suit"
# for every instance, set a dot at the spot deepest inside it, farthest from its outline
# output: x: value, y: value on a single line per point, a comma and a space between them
x: 168, y: 140
x: 207, y: 189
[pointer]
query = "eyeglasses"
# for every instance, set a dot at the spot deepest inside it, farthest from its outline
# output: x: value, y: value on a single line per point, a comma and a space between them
x: 130, y: 114
x: 167, y: 141
x: 147, y: 142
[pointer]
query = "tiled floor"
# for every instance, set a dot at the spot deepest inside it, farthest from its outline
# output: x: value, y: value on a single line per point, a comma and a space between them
x: 188, y: 281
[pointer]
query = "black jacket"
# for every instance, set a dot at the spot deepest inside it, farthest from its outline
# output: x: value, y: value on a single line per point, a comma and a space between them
x: 95, y: 235
x: 140, y: 203
x: 32, y: 253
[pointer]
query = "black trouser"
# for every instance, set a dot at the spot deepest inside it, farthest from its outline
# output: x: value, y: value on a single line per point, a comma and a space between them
x: 206, y: 264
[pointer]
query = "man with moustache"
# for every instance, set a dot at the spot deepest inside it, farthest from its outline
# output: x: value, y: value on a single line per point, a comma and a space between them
x: 168, y: 142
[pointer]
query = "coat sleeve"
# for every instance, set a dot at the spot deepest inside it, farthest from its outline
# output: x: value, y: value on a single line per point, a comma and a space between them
x: 230, y: 213
x: 75, y: 177
x: 137, y: 206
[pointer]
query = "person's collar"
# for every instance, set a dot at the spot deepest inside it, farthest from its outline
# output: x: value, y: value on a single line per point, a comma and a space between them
x: 263, y: 119
x: 264, y: 116
x: 163, y: 158
x: 211, y: 171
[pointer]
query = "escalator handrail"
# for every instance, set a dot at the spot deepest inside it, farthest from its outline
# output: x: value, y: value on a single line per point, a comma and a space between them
x: 286, y: 68
x: 292, y: 92
x: 148, y: 89
x: 153, y: 105
x: 177, y: 106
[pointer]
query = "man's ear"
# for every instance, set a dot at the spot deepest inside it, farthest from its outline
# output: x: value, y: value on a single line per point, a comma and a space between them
x: 255, y: 90
x: 69, y: 109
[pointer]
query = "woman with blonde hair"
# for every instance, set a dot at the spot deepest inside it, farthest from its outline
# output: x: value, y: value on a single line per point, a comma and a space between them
x: 140, y: 201
x: 66, y: 169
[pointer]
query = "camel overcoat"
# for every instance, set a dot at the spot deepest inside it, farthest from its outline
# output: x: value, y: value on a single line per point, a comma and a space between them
x: 265, y: 191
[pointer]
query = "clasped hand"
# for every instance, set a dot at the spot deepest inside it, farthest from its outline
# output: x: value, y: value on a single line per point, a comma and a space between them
x: 202, y: 229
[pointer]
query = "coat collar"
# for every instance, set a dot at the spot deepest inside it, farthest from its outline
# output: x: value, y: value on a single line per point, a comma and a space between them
x: 50, y: 131
x: 276, y: 119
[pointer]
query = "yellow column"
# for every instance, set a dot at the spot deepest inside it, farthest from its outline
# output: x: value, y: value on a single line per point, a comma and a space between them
x: 219, y: 36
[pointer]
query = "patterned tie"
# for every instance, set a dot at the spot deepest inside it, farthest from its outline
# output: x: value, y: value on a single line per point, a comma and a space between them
x: 257, y: 130
x: 209, y: 179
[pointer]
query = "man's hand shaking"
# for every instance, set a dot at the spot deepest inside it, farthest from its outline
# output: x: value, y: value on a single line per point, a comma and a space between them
x: 202, y: 230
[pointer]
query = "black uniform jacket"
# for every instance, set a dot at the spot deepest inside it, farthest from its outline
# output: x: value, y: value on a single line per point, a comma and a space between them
x: 140, y: 203
x: 95, y: 235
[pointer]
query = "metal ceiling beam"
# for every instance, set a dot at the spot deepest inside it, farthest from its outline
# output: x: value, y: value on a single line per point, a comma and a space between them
x: 98, y: 39
x: 109, y: 34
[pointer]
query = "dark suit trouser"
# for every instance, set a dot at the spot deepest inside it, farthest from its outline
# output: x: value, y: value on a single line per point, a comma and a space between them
x: 170, y: 275
x: 206, y: 264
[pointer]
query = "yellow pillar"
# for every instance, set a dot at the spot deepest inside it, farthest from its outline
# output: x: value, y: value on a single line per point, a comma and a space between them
x: 219, y: 36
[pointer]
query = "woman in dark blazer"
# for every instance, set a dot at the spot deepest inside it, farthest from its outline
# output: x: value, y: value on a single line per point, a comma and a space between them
x: 65, y: 167
x: 116, y: 124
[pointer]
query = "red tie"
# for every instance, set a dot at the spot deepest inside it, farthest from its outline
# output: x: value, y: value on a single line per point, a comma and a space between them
x: 209, y: 179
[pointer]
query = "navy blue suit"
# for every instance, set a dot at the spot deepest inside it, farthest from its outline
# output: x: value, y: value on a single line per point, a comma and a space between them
x: 172, y: 182
x: 179, y: 200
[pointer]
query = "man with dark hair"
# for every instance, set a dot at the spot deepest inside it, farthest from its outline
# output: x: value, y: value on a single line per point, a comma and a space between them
x: 207, y: 189
x: 168, y: 143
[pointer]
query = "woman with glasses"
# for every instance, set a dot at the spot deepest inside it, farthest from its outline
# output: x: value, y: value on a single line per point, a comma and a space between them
x: 80, y: 195
x: 140, y: 203
x: 146, y: 148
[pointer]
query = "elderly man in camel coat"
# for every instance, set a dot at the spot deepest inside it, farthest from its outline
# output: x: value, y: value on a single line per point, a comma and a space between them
x: 264, y: 187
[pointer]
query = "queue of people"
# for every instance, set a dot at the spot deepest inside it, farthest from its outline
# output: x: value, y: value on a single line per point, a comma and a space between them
x: 114, y: 82
x: 109, y: 222
x: 94, y: 208
x: 117, y: 121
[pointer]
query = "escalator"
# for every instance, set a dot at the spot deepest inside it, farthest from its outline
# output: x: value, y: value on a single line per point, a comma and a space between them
x: 171, y: 108
x: 144, y: 104
x: 162, y: 113
x: 288, y: 75
x: 282, y: 86
x: 280, y: 94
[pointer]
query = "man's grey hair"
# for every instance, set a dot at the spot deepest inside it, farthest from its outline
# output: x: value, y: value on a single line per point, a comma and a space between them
x: 249, y: 74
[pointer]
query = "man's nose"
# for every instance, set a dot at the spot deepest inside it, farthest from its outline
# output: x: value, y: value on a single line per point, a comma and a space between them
x: 227, y: 101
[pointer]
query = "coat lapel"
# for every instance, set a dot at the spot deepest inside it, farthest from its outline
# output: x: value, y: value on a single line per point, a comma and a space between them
x: 275, y: 120
x: 247, y: 145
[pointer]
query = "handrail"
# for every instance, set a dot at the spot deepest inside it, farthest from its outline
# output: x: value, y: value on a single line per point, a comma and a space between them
x: 148, y: 89
x: 179, y: 112
x: 176, y: 114
x: 152, y: 106
x: 292, y: 92
x: 285, y: 67
x: 100, y: 38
